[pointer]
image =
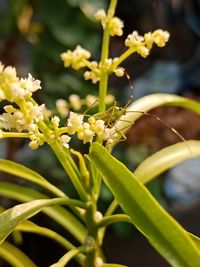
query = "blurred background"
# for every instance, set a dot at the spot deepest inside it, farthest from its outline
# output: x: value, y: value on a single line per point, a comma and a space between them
x: 33, y: 33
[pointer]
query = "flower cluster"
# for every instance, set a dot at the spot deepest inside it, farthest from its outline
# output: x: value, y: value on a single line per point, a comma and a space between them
x: 24, y: 114
x: 75, y: 103
x: 143, y: 44
x: 113, y: 24
x: 21, y: 119
x: 36, y: 137
x: 14, y: 89
x: 87, y: 131
x: 79, y: 58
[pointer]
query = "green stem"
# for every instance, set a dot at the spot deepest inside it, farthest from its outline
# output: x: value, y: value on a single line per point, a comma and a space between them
x: 124, y: 56
x: 113, y: 219
x: 76, y: 203
x: 109, y: 220
x: 112, y: 207
x: 51, y: 234
x: 68, y: 256
x: 15, y: 135
x: 61, y: 155
x: 92, y: 235
x: 64, y: 159
x: 103, y: 85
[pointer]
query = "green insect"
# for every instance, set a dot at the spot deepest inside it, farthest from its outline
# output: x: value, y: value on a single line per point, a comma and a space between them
x: 115, y: 118
x: 111, y: 115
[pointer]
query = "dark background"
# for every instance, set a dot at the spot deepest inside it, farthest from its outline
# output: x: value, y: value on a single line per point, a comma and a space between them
x: 33, y: 33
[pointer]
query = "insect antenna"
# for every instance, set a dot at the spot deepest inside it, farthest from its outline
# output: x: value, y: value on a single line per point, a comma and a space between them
x: 120, y: 131
x: 130, y: 86
x: 167, y: 125
x: 90, y: 107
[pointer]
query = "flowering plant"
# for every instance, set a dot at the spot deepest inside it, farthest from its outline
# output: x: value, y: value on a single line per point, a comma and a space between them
x: 24, y: 118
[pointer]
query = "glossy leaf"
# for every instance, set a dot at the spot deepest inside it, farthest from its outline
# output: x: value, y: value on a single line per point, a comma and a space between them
x: 165, y: 159
x: 30, y: 227
x: 21, y: 171
x: 57, y: 213
x: 67, y: 257
x: 10, y: 218
x: 14, y: 256
x: 162, y: 231
x: 195, y: 239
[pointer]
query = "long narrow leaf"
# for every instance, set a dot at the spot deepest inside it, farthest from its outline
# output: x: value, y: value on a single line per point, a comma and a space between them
x: 14, y: 256
x: 30, y: 227
x: 165, y: 159
x: 21, y: 171
x: 57, y: 213
x: 67, y: 257
x: 195, y: 239
x: 162, y: 231
x: 10, y: 218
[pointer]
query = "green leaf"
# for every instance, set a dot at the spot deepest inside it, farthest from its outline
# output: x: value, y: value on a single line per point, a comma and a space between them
x: 68, y: 256
x: 21, y: 171
x: 10, y: 218
x: 30, y: 227
x: 146, y: 103
x: 57, y: 213
x: 165, y: 159
x: 195, y: 239
x: 162, y: 231
x: 14, y: 256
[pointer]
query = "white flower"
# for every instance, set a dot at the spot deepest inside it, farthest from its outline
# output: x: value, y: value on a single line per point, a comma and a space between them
x: 115, y: 26
x: 62, y: 108
x: 33, y: 128
x: 34, y: 144
x: 119, y: 72
x: 98, y: 127
x: 17, y: 91
x: 160, y: 37
x: 76, y: 58
x: 109, y: 99
x: 109, y: 134
x: 30, y: 84
x: 87, y: 136
x: 143, y: 51
x: 148, y: 38
x: 100, y: 14
x: 10, y: 74
x: 75, y: 102
x: 75, y: 122
x: 55, y: 121
x: 91, y: 75
x: 37, y: 112
x: 90, y: 100
x: 134, y: 39
x: 64, y: 140
x: 9, y: 109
